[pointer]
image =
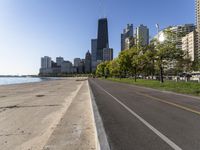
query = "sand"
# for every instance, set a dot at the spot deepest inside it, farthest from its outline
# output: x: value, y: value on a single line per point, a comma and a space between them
x: 37, y: 116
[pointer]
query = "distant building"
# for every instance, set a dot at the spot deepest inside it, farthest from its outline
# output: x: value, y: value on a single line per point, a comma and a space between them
x: 76, y: 61
x: 198, y: 28
x: 126, y: 37
x: 107, y: 54
x: 81, y: 67
x: 45, y: 62
x: 74, y: 69
x: 46, y: 65
x: 88, y: 62
x: 179, y: 30
x: 59, y: 60
x: 55, y: 68
x: 142, y: 35
x: 94, y: 54
x: 102, y: 40
x: 129, y: 42
x: 66, y: 67
x: 189, y: 45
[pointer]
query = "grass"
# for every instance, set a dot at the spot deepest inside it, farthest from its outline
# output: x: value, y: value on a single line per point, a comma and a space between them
x: 178, y: 87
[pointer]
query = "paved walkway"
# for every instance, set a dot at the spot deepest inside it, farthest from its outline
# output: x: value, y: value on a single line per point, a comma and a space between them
x: 48, y: 113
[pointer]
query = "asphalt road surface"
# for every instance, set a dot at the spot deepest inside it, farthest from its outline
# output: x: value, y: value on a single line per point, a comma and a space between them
x: 137, y: 118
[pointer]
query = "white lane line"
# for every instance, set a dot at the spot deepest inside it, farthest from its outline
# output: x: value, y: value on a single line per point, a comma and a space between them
x: 162, y: 136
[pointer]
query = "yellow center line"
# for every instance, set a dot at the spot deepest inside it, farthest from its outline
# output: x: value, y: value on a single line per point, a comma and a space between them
x: 170, y: 103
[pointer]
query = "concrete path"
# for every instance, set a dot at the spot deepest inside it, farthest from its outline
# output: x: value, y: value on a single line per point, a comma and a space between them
x: 76, y: 128
x: 52, y: 113
x: 137, y: 118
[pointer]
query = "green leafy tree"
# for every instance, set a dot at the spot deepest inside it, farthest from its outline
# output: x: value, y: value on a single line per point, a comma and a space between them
x: 114, y: 68
x: 100, y: 72
x: 149, y: 60
x: 166, y: 53
x: 124, y: 61
x: 196, y: 65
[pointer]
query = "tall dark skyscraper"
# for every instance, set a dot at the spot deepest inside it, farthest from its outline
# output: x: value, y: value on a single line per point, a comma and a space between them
x: 88, y: 62
x: 102, y: 40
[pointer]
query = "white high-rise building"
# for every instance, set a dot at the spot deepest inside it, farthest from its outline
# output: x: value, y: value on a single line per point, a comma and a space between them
x: 142, y: 35
x: 46, y: 65
x: 198, y: 28
x: 188, y: 45
x: 179, y: 31
x: 45, y: 62
x: 126, y: 36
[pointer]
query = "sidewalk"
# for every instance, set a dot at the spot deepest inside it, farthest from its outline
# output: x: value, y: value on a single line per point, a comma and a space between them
x: 76, y: 130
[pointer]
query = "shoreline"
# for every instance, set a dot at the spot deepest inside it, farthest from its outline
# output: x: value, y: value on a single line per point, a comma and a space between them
x: 43, y: 79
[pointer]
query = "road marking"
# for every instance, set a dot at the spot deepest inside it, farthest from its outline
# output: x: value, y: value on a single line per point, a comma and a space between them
x: 169, y: 103
x: 102, y: 141
x: 162, y: 136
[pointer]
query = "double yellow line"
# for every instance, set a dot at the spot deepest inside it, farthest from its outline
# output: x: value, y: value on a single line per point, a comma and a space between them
x: 170, y: 103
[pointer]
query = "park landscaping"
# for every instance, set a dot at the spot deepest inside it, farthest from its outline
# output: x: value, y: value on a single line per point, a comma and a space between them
x: 178, y: 87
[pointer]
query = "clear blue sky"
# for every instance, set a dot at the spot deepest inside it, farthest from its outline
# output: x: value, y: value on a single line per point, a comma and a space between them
x: 30, y: 29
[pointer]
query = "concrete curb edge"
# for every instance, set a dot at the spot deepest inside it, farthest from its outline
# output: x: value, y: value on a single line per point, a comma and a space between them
x: 101, y: 137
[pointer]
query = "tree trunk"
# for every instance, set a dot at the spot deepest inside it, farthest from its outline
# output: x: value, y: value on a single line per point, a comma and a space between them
x: 135, y: 74
x: 161, y: 74
x: 153, y: 70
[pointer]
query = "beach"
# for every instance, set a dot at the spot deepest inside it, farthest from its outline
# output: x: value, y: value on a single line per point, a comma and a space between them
x: 54, y: 114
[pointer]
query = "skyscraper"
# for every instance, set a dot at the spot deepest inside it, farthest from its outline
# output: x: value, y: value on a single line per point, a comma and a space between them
x: 45, y: 62
x: 88, y: 62
x: 107, y: 54
x: 102, y: 40
x: 46, y: 65
x: 126, y: 36
x: 59, y: 60
x: 142, y: 35
x: 189, y: 46
x: 76, y: 61
x: 66, y: 67
x: 179, y: 30
x: 94, y: 49
x: 198, y: 28
x: 94, y: 54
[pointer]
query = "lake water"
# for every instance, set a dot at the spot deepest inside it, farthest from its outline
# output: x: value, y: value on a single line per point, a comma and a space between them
x: 18, y: 80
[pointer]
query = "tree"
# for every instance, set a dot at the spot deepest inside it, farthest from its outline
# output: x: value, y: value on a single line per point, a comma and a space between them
x: 101, y: 69
x: 167, y: 53
x: 149, y: 60
x: 114, y: 68
x: 124, y: 63
x: 196, y: 65
x: 136, y: 60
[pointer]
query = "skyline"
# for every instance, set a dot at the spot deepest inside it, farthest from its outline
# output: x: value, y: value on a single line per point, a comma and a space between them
x: 32, y: 29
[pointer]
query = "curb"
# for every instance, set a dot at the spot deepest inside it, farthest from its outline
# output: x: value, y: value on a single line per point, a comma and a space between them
x: 101, y: 137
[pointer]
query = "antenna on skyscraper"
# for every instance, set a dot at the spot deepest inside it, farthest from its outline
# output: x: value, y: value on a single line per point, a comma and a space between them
x: 102, y: 8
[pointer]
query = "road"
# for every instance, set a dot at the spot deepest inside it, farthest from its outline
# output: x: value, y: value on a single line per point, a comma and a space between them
x: 137, y: 118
